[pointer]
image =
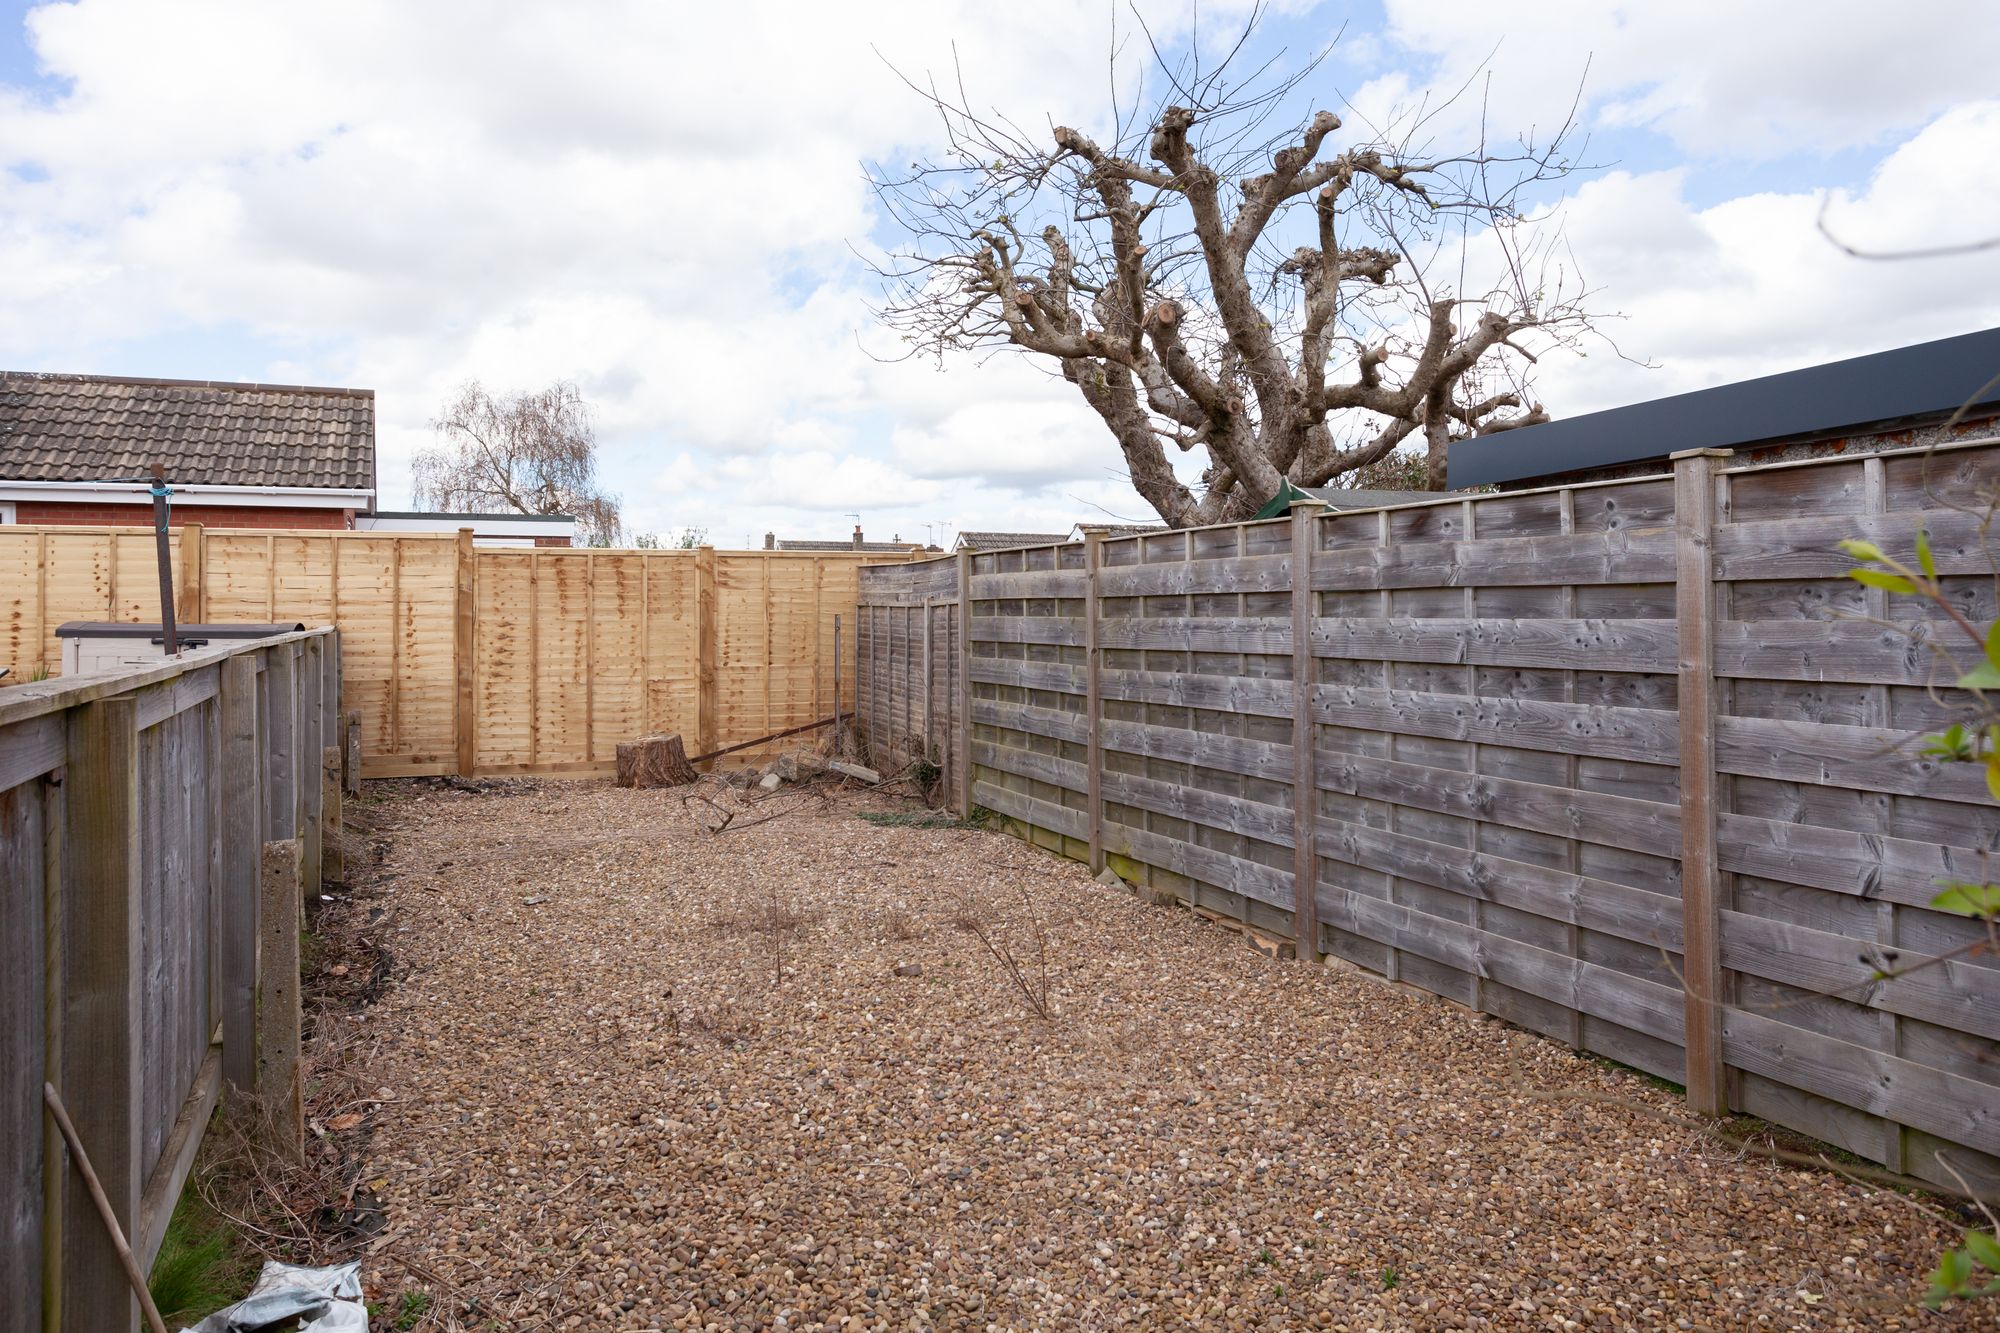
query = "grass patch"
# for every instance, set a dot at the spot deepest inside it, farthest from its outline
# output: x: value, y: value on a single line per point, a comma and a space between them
x: 925, y: 818
x: 203, y: 1264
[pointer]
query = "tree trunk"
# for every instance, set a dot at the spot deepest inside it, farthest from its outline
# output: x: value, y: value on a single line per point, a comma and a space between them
x: 654, y: 761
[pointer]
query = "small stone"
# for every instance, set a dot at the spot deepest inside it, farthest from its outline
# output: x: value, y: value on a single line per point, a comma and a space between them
x: 910, y: 970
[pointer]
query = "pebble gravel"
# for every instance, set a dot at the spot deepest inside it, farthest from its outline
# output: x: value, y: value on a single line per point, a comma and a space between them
x: 636, y: 1076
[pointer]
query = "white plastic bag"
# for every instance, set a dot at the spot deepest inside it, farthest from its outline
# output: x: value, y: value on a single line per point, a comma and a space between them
x: 328, y: 1298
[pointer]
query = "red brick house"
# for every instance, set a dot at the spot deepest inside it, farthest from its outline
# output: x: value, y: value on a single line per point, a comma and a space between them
x: 236, y: 455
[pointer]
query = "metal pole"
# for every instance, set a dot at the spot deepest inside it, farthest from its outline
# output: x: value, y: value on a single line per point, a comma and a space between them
x: 169, y: 638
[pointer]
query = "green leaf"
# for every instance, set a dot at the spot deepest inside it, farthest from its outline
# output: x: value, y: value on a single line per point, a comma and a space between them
x: 1924, y: 553
x: 1876, y: 578
x: 1982, y: 1246
x: 1969, y: 900
x: 1861, y: 550
x: 1993, y: 644
x: 1993, y: 774
x: 1985, y: 676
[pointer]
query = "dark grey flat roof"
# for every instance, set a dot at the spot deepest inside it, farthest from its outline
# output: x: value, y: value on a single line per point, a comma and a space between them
x: 1923, y: 380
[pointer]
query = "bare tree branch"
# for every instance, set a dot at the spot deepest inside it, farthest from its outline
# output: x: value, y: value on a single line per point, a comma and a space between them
x: 529, y: 453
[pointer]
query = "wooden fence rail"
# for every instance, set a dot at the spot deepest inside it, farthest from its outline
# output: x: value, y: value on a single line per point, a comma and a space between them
x: 135, y: 810
x: 479, y: 661
x: 1629, y: 763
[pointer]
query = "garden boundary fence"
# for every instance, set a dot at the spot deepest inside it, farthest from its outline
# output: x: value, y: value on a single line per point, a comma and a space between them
x: 473, y: 660
x: 1631, y: 764
x: 148, y: 947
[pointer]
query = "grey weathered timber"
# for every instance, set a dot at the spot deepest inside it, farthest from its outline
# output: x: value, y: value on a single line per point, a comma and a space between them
x: 1694, y: 503
x: 962, y: 694
x: 25, y: 843
x: 1500, y: 790
x: 281, y: 743
x: 1606, y: 645
x: 1305, y: 786
x: 280, y: 1091
x: 312, y: 715
x: 333, y: 860
x: 104, y: 1001
x: 240, y: 817
x: 1093, y: 648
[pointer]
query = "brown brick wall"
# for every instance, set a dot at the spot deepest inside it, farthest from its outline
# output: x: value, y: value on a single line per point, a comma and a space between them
x: 209, y: 516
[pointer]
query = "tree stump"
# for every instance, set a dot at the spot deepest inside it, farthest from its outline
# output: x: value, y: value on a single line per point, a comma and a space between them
x: 654, y: 761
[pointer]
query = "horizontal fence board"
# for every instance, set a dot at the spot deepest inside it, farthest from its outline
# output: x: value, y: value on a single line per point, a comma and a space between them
x: 30, y: 748
x: 1051, y: 722
x: 1056, y: 676
x: 1639, y: 555
x: 1608, y: 645
x: 1240, y: 573
x: 1809, y: 548
x: 1222, y: 694
x: 1030, y: 764
x: 1588, y: 988
x: 1028, y: 585
x: 1019, y: 805
x: 1839, y: 650
x: 1947, y: 992
x: 1569, y: 812
x: 1642, y: 734
x: 1652, y: 919
x: 1230, y: 814
x: 1942, y: 1103
x: 1064, y: 630
x: 1868, y: 865
x: 1247, y: 879
x: 1867, y: 758
x: 1221, y: 634
x: 1230, y: 754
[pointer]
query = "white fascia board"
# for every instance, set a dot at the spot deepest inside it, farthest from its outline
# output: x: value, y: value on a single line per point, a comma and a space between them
x: 272, y: 497
x: 484, y: 525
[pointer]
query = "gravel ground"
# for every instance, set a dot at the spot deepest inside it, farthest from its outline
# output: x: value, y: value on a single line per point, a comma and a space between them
x: 637, y: 1076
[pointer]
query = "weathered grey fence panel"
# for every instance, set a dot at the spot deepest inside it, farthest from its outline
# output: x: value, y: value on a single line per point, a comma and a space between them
x: 126, y: 803
x: 1494, y: 691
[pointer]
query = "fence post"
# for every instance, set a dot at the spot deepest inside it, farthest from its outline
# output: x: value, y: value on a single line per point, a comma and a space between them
x: 333, y: 860
x: 103, y: 1014
x: 350, y: 755
x: 281, y: 725
x: 1305, y: 771
x: 312, y: 712
x: 704, y: 650
x: 189, y: 596
x: 1093, y: 692
x: 1701, y: 960
x: 464, y: 644
x: 279, y: 1090
x: 964, y: 691
x: 240, y: 816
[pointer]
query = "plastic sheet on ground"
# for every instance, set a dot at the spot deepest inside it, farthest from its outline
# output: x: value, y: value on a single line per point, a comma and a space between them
x: 329, y: 1299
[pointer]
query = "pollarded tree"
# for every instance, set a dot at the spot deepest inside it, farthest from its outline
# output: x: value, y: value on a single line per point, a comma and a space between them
x: 528, y: 453
x: 1297, y: 313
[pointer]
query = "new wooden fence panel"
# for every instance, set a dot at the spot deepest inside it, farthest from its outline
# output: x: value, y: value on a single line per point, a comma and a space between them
x: 1497, y: 750
x: 573, y: 650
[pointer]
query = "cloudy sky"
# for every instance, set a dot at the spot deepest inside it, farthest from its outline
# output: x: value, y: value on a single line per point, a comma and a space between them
x: 664, y: 202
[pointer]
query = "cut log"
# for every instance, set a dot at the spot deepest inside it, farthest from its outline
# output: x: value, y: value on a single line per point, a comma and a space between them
x: 654, y: 761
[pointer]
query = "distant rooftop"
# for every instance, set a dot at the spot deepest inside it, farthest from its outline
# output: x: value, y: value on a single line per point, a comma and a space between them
x: 997, y: 541
x: 95, y: 428
x: 1908, y: 384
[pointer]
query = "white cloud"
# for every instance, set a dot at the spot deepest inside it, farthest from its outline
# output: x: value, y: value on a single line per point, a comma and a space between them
x: 658, y: 202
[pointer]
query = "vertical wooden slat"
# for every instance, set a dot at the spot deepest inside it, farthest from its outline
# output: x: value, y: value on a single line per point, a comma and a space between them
x: 1694, y: 528
x: 589, y: 656
x: 704, y: 650
x: 1385, y: 605
x: 55, y: 1156
x: 193, y: 556
x: 312, y: 715
x: 240, y: 814
x: 1305, y: 771
x: 1468, y: 520
x: 964, y: 685
x: 103, y: 1011
x: 1572, y: 849
x: 465, y: 642
x: 1889, y: 1026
